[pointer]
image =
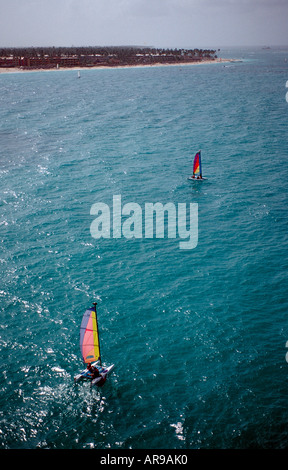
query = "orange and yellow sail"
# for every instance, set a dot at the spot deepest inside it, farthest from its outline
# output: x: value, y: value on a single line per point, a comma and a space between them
x: 197, y: 164
x: 89, y: 338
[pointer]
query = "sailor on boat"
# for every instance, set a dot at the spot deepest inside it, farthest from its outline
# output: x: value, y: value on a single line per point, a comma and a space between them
x: 197, y: 178
x: 93, y: 371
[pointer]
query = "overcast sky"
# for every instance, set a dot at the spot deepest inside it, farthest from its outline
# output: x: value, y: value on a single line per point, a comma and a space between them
x: 158, y: 23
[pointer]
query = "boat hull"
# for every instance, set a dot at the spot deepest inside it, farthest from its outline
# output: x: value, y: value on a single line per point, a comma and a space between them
x: 99, y: 381
x: 196, y: 179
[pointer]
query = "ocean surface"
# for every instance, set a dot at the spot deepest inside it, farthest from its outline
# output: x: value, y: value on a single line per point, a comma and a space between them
x: 198, y: 336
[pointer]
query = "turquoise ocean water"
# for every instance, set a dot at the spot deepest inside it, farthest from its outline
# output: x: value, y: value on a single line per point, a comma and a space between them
x: 198, y: 337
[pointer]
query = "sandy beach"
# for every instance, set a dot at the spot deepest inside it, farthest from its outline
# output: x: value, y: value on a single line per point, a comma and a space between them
x: 101, y: 67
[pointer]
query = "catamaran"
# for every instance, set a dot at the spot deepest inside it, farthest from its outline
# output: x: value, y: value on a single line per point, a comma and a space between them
x: 90, y: 350
x: 197, y: 168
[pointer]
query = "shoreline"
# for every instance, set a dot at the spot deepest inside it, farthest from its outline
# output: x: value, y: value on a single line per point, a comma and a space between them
x: 7, y: 70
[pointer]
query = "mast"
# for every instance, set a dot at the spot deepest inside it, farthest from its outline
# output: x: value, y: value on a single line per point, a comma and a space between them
x: 95, y: 303
x: 200, y: 164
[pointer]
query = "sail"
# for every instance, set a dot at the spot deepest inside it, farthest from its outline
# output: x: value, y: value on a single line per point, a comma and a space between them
x: 197, y: 164
x: 89, y: 339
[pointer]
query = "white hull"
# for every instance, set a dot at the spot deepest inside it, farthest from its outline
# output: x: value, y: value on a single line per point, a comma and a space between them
x: 104, y: 374
x: 196, y: 179
x: 86, y: 375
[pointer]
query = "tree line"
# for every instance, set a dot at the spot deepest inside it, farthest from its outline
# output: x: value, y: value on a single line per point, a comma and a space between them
x: 50, y: 57
x: 117, y: 51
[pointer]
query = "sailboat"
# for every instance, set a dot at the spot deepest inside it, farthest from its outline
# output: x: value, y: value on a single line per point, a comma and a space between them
x: 90, y: 350
x: 197, y: 168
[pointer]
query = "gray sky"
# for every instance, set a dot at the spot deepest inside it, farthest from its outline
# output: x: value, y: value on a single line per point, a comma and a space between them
x: 159, y: 23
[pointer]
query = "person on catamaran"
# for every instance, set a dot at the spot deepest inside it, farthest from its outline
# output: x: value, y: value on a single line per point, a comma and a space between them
x: 93, y: 371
